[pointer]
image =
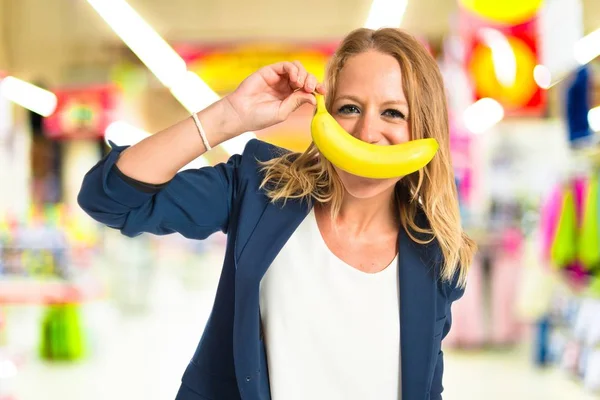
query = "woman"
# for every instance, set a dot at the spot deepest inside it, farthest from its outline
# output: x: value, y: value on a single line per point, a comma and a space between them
x: 333, y: 286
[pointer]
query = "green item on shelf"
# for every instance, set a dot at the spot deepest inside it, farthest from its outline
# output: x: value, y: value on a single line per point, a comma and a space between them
x: 594, y: 287
x: 61, y: 333
x: 74, y: 337
x: 564, y: 246
x: 589, y: 241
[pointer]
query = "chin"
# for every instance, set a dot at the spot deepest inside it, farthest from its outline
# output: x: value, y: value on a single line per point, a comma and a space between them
x: 365, y: 188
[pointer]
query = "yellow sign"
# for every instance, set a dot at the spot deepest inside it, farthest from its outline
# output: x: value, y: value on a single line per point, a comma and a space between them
x: 510, y: 12
x: 224, y: 68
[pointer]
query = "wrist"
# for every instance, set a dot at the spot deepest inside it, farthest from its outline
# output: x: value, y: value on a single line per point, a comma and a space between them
x: 220, y: 122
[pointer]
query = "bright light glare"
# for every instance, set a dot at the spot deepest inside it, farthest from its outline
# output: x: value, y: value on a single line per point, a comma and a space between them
x: 587, y: 48
x: 386, y: 13
x: 151, y: 49
x: 594, y: 119
x: 123, y: 134
x: 193, y: 93
x: 28, y: 96
x: 503, y: 56
x: 482, y: 115
x: 542, y: 76
x: 169, y: 68
x: 8, y: 369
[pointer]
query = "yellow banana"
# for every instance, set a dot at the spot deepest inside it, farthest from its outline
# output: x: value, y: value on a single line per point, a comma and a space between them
x: 365, y: 159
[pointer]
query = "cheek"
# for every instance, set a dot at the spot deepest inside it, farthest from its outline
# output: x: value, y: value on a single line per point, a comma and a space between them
x: 399, y: 135
x: 347, y: 123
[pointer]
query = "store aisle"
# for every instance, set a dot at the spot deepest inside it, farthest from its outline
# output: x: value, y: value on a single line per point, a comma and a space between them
x: 143, y: 356
x: 505, y: 376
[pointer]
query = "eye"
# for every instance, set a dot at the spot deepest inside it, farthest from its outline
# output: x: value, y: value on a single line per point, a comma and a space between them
x: 348, y: 109
x: 392, y: 113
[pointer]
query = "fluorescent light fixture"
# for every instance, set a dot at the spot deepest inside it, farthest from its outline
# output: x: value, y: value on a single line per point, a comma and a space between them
x: 28, y: 96
x: 386, y: 13
x: 6, y: 117
x: 594, y: 119
x: 164, y: 62
x: 587, y: 48
x: 193, y: 93
x: 123, y: 134
x: 482, y: 115
x: 151, y: 49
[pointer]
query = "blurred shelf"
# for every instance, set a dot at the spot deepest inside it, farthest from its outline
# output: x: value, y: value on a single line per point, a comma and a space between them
x: 15, y: 291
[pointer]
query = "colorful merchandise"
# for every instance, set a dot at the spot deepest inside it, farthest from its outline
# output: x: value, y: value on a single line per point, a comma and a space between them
x: 569, y: 232
x: 564, y: 250
x: 589, y: 240
x: 61, y: 335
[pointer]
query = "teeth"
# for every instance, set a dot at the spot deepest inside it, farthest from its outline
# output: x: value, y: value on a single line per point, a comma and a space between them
x: 364, y: 159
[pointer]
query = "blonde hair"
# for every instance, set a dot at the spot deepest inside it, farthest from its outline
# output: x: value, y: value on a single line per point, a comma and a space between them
x: 433, y: 189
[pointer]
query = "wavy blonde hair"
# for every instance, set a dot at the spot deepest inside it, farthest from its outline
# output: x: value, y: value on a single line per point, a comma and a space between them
x: 433, y: 189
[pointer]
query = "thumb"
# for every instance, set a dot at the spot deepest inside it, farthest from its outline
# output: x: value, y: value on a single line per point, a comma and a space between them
x: 295, y: 101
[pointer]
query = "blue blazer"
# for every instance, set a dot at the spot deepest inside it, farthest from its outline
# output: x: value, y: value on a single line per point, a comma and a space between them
x: 230, y: 360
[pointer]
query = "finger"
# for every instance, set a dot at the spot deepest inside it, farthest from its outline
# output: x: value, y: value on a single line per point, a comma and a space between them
x: 321, y: 89
x: 292, y: 72
x: 302, y: 74
x: 286, y: 68
x: 311, y: 83
x: 295, y: 101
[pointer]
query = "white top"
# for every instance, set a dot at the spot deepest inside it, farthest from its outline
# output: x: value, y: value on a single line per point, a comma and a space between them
x: 331, y: 331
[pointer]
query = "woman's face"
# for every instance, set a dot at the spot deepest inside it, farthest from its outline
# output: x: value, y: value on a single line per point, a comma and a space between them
x: 370, y: 104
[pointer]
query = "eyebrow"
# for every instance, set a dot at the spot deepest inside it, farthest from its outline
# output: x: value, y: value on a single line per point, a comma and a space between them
x: 357, y: 100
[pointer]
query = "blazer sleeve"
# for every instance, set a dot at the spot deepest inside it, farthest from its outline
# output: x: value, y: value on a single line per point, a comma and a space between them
x: 436, y: 386
x: 195, y: 203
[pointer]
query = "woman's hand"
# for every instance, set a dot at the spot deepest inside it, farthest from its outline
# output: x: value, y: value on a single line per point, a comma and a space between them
x: 271, y: 94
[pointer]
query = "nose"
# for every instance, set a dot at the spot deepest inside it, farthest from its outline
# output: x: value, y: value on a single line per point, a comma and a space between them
x: 366, y: 129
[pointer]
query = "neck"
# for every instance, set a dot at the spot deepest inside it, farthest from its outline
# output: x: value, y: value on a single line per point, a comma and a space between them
x: 360, y: 216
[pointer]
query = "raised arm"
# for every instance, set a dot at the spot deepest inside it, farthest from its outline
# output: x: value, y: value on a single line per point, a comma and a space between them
x: 195, y: 203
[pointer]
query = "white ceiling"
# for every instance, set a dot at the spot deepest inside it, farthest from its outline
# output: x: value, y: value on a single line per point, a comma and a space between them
x: 234, y: 19
x: 45, y: 37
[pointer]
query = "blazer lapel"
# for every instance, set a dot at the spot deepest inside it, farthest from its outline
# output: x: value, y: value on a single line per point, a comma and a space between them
x: 417, y: 293
x: 417, y: 315
x: 273, y: 229
x: 270, y: 234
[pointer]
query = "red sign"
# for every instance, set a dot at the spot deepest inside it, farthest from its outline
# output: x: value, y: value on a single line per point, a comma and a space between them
x: 485, y: 63
x: 82, y: 113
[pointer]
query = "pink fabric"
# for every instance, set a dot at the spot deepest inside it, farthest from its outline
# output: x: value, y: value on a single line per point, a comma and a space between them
x: 577, y: 276
x: 472, y: 324
x: 579, y: 191
x: 505, y: 327
x: 468, y: 329
x: 549, y: 221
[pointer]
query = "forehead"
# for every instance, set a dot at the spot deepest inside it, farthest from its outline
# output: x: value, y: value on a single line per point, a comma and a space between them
x: 371, y: 73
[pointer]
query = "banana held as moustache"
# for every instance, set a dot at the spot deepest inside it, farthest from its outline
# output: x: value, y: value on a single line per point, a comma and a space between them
x: 365, y: 159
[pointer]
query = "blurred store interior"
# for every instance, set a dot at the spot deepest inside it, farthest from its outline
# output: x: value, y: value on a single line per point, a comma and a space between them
x: 86, y: 313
